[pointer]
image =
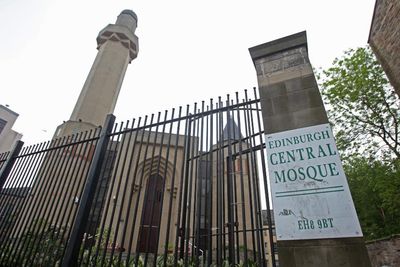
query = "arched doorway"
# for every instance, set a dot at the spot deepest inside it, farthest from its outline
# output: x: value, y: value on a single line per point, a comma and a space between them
x: 151, y: 214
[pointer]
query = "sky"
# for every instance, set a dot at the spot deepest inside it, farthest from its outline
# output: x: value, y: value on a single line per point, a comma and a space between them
x: 189, y: 51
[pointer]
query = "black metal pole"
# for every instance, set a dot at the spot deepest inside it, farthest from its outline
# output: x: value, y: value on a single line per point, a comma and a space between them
x: 229, y: 171
x: 184, y: 166
x: 266, y: 190
x: 195, y: 147
x: 185, y: 189
x: 250, y: 178
x: 172, y: 186
x: 197, y: 189
x: 209, y: 190
x: 75, y: 240
x: 241, y: 175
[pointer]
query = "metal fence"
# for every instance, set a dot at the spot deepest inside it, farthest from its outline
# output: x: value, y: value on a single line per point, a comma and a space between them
x: 184, y: 187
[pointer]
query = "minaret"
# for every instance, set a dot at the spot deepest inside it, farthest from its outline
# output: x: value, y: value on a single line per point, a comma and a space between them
x: 118, y: 46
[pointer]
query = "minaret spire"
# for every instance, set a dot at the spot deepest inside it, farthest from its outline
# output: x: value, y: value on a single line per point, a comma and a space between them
x: 231, y: 130
x: 118, y: 46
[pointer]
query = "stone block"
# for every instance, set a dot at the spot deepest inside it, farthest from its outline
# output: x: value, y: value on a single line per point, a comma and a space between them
x: 284, y: 75
x: 279, y: 45
x: 277, y: 123
x: 309, y: 117
x: 294, y: 85
x: 309, y: 81
x: 267, y: 107
x: 339, y: 252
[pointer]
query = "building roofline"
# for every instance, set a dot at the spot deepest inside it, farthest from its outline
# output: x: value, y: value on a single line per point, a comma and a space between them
x: 279, y: 45
x: 9, y: 110
x: 372, y: 21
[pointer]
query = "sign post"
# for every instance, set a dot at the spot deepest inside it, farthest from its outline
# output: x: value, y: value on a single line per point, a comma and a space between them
x: 309, y: 189
x: 315, y: 219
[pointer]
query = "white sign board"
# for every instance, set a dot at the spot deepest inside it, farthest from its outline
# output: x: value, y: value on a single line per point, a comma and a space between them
x: 310, y: 194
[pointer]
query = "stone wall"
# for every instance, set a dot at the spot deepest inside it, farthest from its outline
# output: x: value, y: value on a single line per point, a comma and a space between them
x: 385, y: 252
x: 384, y: 38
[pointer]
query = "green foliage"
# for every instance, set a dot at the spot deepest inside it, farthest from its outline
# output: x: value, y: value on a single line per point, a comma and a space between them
x: 249, y: 263
x: 170, y: 261
x: 113, y: 261
x: 365, y: 112
x: 362, y: 106
x: 375, y: 187
x: 41, y: 246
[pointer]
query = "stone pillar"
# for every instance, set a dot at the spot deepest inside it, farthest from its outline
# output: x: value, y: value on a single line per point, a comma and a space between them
x: 312, y: 228
x: 118, y: 46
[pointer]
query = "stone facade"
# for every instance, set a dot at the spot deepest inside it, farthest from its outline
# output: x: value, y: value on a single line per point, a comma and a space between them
x: 152, y: 167
x: 8, y: 136
x: 162, y: 165
x: 384, y: 38
x: 385, y: 252
x: 155, y: 160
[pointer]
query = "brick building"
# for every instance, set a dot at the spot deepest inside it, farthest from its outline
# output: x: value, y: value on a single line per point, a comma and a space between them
x: 8, y: 136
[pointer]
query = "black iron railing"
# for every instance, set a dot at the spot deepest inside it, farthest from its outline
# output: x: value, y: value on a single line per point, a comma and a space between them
x: 180, y: 188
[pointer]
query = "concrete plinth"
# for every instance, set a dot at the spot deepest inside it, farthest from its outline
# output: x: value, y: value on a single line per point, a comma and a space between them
x: 290, y: 100
x: 338, y: 252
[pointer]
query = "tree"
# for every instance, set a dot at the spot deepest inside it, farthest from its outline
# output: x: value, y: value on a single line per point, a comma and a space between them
x: 362, y: 106
x: 375, y: 188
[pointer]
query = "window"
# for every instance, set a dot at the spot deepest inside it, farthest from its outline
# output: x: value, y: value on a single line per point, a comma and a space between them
x: 151, y: 214
x: 2, y: 125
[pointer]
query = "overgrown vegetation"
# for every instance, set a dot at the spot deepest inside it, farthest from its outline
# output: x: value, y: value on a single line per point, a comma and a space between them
x: 375, y: 187
x: 41, y: 246
x: 362, y: 106
x: 45, y: 246
x: 365, y: 113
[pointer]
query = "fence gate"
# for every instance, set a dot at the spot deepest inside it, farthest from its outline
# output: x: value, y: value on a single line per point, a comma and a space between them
x: 185, y: 187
